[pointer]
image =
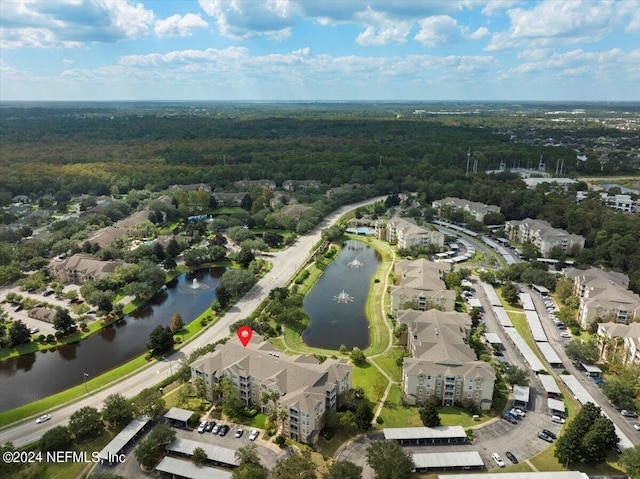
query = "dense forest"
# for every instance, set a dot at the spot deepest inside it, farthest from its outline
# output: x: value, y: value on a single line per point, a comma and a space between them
x: 97, y: 149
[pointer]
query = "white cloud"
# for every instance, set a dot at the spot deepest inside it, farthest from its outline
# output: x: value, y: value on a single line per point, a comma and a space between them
x: 382, y: 30
x: 71, y: 23
x: 496, y: 6
x: 437, y: 31
x: 179, y: 26
x: 478, y: 34
x: 552, y: 23
x: 68, y: 61
x: 245, y: 19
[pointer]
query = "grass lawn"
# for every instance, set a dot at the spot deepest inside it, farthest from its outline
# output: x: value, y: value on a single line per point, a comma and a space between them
x: 456, y: 416
x: 366, y: 377
x: 388, y: 364
x: 394, y: 414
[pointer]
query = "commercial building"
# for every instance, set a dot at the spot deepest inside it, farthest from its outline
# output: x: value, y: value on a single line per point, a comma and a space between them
x: 268, y: 379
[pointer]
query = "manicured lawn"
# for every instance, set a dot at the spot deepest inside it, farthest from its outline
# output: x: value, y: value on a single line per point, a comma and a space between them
x: 329, y: 447
x: 394, y: 414
x: 366, y: 377
x: 388, y: 363
x: 455, y: 416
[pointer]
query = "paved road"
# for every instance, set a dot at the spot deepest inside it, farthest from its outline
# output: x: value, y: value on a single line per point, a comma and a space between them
x: 285, y: 264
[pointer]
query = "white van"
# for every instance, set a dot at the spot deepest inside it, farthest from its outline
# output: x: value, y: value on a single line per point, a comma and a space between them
x: 498, y: 460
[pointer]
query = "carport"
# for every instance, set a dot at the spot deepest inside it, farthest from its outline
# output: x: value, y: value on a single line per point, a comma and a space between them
x: 550, y: 386
x: 592, y: 370
x: 555, y: 407
x: 521, y: 475
x: 173, y: 468
x: 521, y: 396
x: 217, y: 455
x: 550, y: 355
x: 494, y: 340
x: 118, y: 444
x: 447, y: 461
x: 177, y: 417
x: 541, y: 290
x: 426, y: 435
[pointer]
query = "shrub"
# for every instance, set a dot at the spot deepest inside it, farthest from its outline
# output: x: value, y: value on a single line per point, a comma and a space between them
x: 51, y: 338
x: 42, y: 338
x: 83, y: 325
x: 302, y: 276
x: 379, y: 420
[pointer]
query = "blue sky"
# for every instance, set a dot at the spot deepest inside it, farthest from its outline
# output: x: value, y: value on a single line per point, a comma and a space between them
x: 511, y: 50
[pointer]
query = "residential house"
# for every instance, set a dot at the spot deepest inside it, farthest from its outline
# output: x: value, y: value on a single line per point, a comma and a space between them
x: 229, y: 199
x: 603, y: 296
x: 279, y: 199
x: 476, y: 210
x: 81, y: 268
x: 406, y: 233
x: 338, y: 190
x: 268, y: 379
x: 294, y: 185
x: 543, y: 236
x: 420, y: 285
x: 295, y: 211
x: 107, y: 235
x: 443, y: 366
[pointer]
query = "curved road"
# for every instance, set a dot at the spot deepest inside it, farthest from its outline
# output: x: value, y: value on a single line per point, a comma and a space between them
x: 285, y: 264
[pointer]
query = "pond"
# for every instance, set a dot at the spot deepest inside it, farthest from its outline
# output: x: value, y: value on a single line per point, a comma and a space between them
x: 34, y: 376
x: 337, y: 302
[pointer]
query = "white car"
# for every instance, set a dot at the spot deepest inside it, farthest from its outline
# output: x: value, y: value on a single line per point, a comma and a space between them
x: 202, y: 427
x: 254, y: 435
x: 498, y: 460
x: 558, y: 419
x: 44, y: 418
x: 636, y: 427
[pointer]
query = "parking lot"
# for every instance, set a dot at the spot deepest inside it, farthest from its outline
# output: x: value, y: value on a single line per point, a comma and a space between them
x: 268, y: 452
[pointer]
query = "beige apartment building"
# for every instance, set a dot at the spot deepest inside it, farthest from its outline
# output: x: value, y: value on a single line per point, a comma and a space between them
x: 443, y: 367
x: 603, y: 296
x: 304, y: 388
x: 419, y: 285
x: 405, y: 233
x: 543, y: 236
x: 477, y: 210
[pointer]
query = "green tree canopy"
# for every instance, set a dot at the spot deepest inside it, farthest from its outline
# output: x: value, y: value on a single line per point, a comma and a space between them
x: 294, y: 466
x: 117, y: 410
x: 583, y: 351
x: 19, y: 333
x: 149, y: 403
x: 343, y: 470
x: 620, y: 393
x: 199, y: 456
x: 150, y: 449
x: 630, y: 459
x: 364, y: 415
x: 160, y: 340
x: 517, y: 376
x: 429, y: 415
x: 56, y: 439
x: 86, y: 423
x: 389, y: 461
x: 62, y: 321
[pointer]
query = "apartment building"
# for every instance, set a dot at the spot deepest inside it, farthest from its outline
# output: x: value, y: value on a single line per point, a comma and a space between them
x: 305, y: 389
x: 243, y: 184
x: 476, y: 210
x: 619, y: 339
x: 603, y: 296
x: 443, y: 365
x: 543, y: 236
x: 404, y: 232
x: 419, y: 285
x: 81, y: 268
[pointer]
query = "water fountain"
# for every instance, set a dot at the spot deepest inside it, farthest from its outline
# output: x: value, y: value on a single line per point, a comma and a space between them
x: 355, y: 263
x: 194, y: 284
x: 343, y: 297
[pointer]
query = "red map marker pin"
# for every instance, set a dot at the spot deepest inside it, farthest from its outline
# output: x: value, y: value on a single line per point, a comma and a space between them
x: 244, y: 334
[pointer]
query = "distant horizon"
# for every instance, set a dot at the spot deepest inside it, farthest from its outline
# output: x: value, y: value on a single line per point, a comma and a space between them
x: 320, y: 51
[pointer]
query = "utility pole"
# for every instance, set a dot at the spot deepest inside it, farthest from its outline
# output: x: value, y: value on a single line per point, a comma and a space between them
x: 468, y: 159
x: 85, y: 382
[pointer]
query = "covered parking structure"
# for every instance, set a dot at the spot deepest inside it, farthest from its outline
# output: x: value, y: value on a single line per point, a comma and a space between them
x: 541, y: 290
x: 173, y: 468
x: 556, y: 407
x: 530, y: 357
x: 426, y: 435
x: 503, y: 317
x: 490, y: 292
x: 124, y: 439
x: 592, y: 370
x: 521, y: 396
x: 520, y: 475
x: 550, y: 386
x: 494, y: 340
x: 527, y: 302
x: 216, y: 455
x: 550, y: 355
x: 447, y: 461
x: 537, y: 331
x: 177, y: 417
